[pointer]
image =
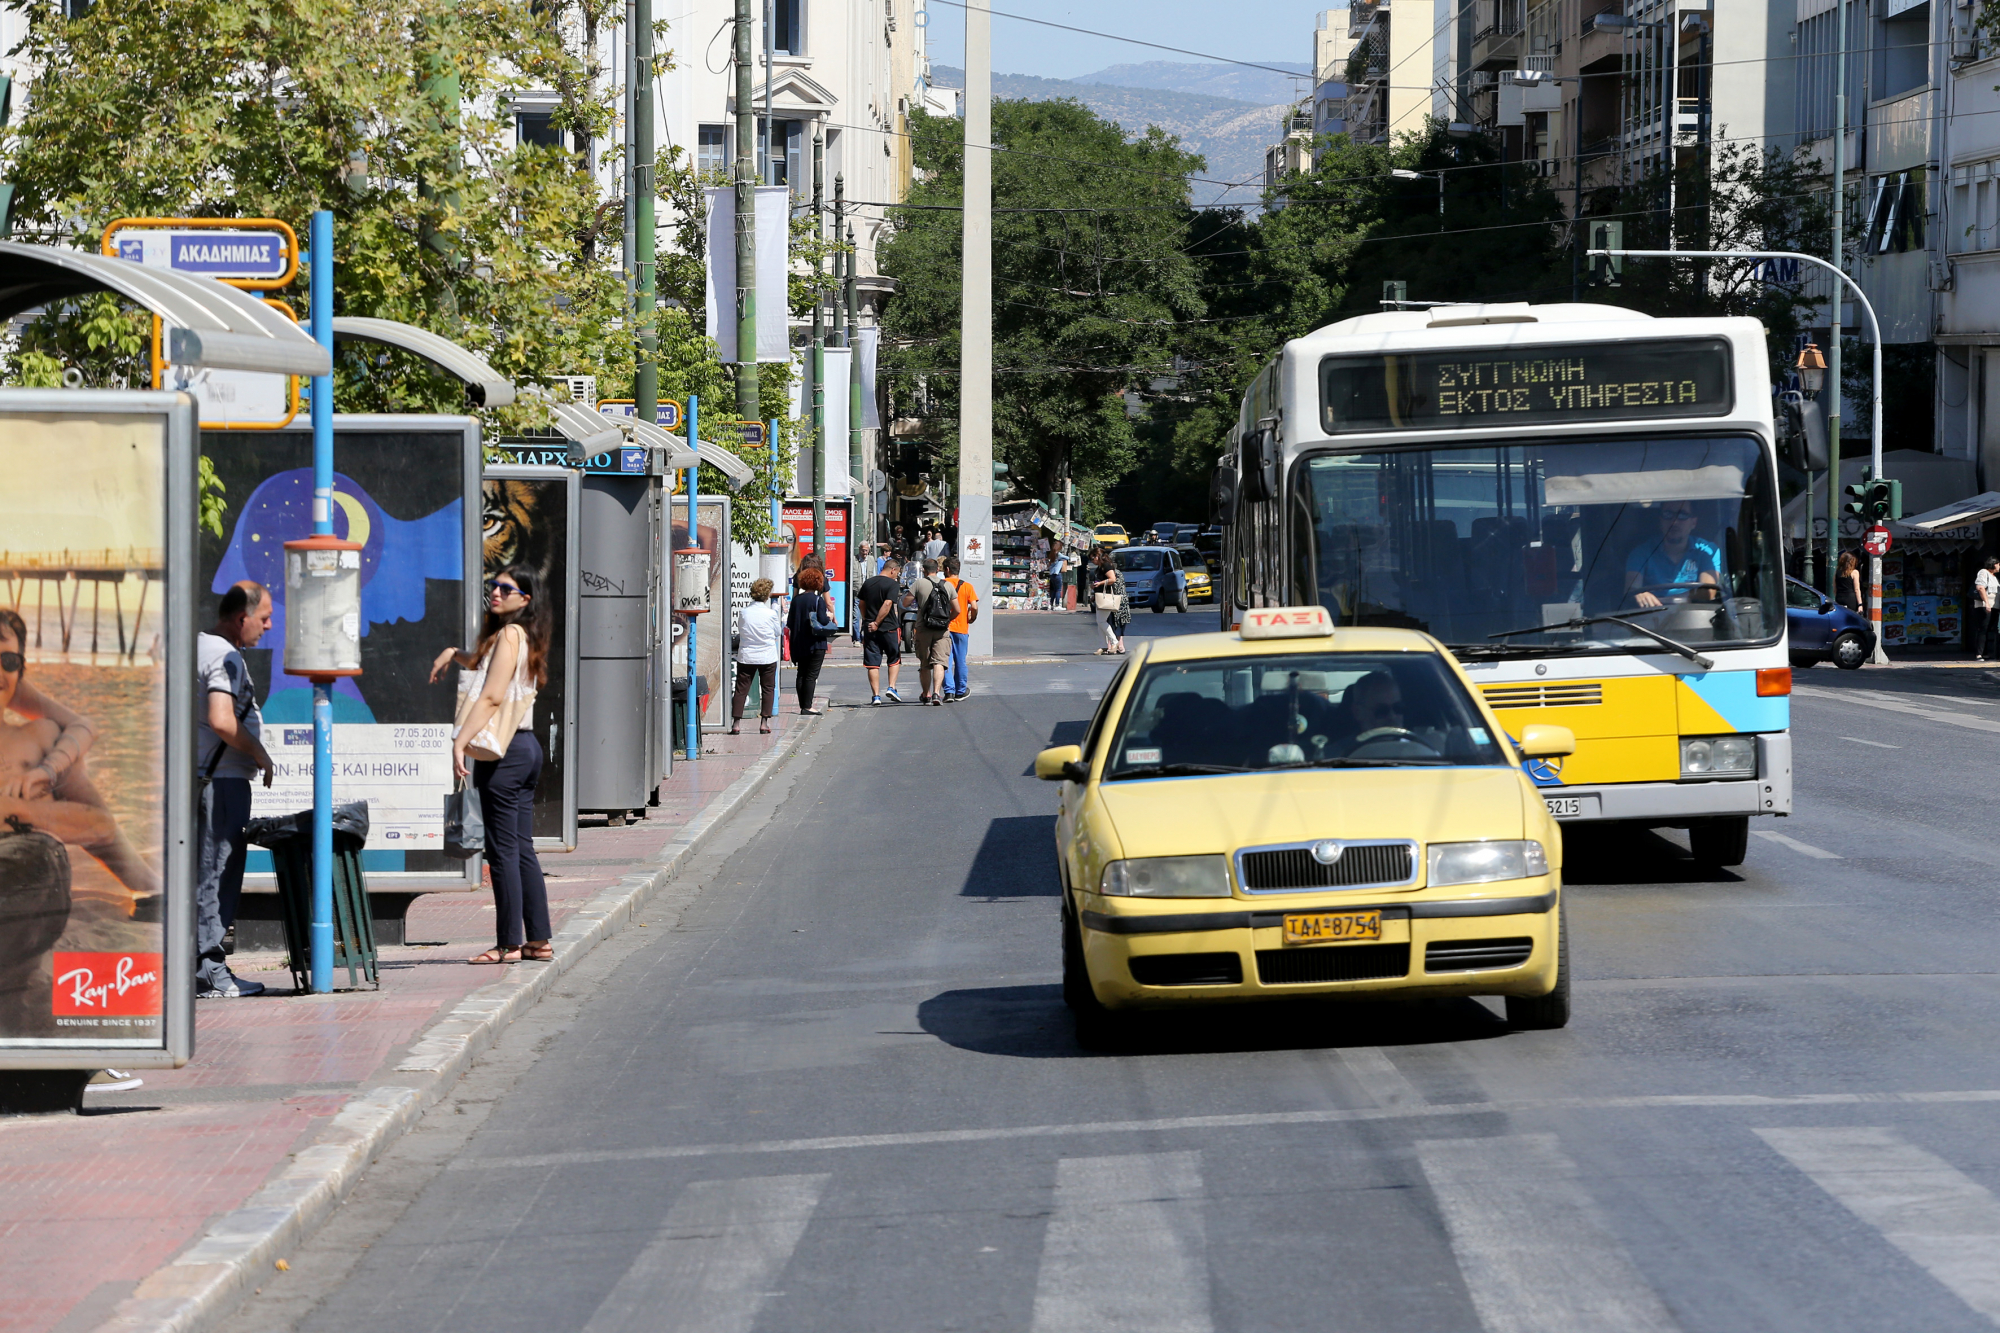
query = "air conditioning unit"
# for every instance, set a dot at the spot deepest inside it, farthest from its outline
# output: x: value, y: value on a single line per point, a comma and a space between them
x: 582, y: 388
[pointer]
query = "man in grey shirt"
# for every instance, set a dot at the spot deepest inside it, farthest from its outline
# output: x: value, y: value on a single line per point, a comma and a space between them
x: 229, y: 751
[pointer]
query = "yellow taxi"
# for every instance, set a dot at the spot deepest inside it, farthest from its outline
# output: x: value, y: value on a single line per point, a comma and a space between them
x: 1111, y: 534
x: 1194, y: 569
x: 1289, y: 810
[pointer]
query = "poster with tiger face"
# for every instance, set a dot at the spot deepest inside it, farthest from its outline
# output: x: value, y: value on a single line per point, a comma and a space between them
x: 524, y: 525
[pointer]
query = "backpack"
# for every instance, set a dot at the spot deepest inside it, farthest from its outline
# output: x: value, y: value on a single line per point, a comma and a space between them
x: 940, y: 608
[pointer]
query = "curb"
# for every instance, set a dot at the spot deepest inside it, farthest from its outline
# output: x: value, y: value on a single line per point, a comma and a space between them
x: 207, y: 1278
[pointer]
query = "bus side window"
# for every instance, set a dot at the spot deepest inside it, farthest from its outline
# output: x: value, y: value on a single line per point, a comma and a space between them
x: 1304, y: 561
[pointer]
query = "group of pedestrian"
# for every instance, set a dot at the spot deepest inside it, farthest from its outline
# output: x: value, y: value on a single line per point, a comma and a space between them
x: 923, y: 606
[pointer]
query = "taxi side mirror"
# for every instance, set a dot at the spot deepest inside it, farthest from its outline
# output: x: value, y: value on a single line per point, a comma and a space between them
x: 1062, y: 763
x: 1541, y: 740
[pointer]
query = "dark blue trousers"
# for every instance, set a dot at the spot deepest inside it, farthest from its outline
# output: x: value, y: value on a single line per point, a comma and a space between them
x: 507, y: 799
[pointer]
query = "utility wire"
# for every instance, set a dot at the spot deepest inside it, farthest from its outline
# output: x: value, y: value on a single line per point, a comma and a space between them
x: 1134, y: 41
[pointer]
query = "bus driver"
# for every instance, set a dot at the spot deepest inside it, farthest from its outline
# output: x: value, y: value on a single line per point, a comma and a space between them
x: 1677, y: 563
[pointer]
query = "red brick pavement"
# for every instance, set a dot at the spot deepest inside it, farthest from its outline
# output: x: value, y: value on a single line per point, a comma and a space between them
x: 91, y: 1204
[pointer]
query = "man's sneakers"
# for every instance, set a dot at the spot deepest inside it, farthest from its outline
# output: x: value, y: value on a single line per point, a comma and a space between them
x: 891, y: 695
x: 954, y: 698
x: 876, y: 702
x: 112, y: 1080
x: 935, y: 701
x: 233, y: 988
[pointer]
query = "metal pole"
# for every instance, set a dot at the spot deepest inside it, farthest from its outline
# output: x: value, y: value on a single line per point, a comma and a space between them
x: 694, y: 540
x: 631, y: 247
x: 770, y: 126
x: 746, y: 224
x: 1840, y: 261
x: 855, y: 471
x: 646, y: 382
x: 975, y: 404
x: 777, y: 519
x: 322, y: 687
x: 819, y: 359
x: 840, y: 260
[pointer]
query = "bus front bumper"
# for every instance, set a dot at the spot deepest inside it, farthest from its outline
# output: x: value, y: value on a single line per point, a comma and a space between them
x: 1671, y: 803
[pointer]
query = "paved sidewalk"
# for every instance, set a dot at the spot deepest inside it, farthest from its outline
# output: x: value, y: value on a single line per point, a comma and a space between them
x: 91, y: 1205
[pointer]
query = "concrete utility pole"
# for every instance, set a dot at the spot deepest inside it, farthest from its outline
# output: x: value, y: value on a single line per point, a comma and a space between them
x: 746, y: 224
x: 818, y: 361
x: 854, y: 468
x: 975, y: 339
x: 646, y: 383
x: 1833, y: 341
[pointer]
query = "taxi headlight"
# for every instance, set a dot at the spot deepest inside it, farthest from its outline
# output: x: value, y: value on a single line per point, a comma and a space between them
x: 1718, y: 756
x: 1484, y: 862
x: 1167, y: 877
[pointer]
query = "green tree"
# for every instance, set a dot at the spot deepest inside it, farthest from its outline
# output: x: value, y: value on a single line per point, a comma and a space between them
x: 1091, y: 287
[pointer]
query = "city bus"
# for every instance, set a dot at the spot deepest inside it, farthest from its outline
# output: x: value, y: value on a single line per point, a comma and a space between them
x: 1579, y: 501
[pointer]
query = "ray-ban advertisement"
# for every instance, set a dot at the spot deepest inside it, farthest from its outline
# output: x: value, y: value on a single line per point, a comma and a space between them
x: 96, y: 535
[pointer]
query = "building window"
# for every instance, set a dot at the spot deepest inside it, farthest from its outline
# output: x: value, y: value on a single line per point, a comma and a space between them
x: 784, y: 152
x: 788, y: 27
x: 537, y: 128
x: 712, y: 149
x: 1896, y: 213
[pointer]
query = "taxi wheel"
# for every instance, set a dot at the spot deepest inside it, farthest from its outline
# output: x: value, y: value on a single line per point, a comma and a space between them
x: 1541, y: 1013
x: 1720, y: 842
x: 1097, y: 1028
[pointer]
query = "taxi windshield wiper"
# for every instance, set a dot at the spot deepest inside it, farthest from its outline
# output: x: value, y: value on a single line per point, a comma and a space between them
x: 1671, y: 645
x: 1363, y: 763
x: 1176, y: 771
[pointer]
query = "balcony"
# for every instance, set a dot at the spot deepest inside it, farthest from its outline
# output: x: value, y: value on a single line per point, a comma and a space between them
x: 1497, y: 44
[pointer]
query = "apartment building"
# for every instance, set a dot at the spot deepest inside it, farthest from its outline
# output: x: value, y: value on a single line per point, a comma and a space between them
x: 1388, y: 68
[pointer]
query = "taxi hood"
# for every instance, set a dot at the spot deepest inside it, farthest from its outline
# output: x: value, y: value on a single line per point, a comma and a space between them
x: 1190, y: 816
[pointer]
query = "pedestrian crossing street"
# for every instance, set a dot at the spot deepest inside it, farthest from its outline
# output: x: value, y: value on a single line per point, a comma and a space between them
x: 1126, y: 1243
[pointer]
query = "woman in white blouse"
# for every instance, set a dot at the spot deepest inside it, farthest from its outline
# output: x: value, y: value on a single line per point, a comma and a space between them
x: 759, y: 635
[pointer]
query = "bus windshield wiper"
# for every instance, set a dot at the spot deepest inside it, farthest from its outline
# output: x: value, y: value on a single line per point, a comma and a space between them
x: 1671, y: 645
x: 1176, y: 771
x: 1527, y: 649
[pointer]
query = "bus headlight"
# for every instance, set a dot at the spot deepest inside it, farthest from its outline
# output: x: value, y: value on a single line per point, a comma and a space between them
x: 1484, y: 862
x: 1167, y: 877
x: 1719, y: 757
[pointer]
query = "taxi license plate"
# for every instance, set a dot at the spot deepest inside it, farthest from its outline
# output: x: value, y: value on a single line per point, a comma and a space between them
x: 1562, y: 806
x: 1332, y: 927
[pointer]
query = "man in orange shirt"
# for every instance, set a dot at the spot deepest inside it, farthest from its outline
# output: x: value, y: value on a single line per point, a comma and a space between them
x: 955, y: 686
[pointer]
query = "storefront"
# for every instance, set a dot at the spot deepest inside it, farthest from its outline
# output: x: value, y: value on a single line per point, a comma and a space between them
x: 1027, y: 535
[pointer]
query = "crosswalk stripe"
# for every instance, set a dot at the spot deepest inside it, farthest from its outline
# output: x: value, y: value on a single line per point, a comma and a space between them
x: 708, y: 1270
x: 1378, y: 1076
x: 1536, y: 1254
x: 1125, y: 1247
x: 1948, y: 1223
x: 1802, y: 848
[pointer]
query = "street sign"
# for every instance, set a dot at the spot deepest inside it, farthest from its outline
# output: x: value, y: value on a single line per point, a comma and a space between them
x: 244, y: 252
x: 1876, y: 542
x: 752, y: 432
x: 667, y: 414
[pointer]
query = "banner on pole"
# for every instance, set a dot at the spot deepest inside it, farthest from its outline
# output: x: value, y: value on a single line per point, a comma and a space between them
x: 865, y: 343
x: 774, y: 215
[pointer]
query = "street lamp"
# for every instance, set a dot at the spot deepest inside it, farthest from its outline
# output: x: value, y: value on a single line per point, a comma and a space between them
x: 1811, y: 367
x: 1405, y: 174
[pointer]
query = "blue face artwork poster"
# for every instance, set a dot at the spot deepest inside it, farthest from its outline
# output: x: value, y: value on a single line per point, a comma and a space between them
x: 401, y: 494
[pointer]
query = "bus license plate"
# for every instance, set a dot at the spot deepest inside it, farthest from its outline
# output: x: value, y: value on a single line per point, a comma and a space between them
x: 1332, y: 927
x: 1564, y: 806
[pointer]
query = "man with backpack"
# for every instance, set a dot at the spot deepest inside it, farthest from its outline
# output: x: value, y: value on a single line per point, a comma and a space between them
x: 956, y: 685
x: 936, y: 608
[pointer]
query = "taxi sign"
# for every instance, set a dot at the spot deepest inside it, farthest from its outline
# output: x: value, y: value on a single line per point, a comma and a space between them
x: 1286, y: 622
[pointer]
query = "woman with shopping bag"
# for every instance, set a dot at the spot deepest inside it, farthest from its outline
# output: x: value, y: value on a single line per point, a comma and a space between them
x: 494, y: 742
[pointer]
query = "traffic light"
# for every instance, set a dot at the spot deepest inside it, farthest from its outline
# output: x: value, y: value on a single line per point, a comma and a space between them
x: 1859, y: 503
x: 1885, y: 499
x: 1395, y: 293
x: 1606, y: 270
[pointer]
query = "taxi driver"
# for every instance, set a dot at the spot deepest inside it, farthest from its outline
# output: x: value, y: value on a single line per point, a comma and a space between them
x: 1675, y: 565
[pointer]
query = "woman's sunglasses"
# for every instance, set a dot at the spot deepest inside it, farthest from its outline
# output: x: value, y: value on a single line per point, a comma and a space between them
x: 504, y: 589
x: 11, y: 663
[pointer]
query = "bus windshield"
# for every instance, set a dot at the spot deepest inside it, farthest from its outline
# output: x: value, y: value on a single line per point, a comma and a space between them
x: 1676, y: 534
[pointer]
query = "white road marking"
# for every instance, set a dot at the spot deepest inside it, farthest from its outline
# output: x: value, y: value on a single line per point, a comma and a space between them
x: 1378, y: 1076
x: 926, y: 1138
x: 1877, y: 744
x: 1898, y: 703
x: 1535, y: 1251
x: 1948, y: 1223
x: 1802, y: 848
x: 1125, y: 1248
x: 720, y: 1248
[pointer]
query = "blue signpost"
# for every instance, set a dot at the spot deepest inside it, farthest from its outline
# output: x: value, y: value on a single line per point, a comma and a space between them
x: 322, y: 708
x: 694, y: 539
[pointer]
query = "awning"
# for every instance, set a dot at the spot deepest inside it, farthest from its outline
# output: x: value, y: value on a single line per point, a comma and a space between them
x: 653, y: 437
x: 592, y: 432
x: 1958, y: 514
x: 488, y: 387
x: 208, y: 324
x: 735, y: 470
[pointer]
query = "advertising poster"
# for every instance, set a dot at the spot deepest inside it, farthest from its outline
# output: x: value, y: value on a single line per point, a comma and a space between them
x: 406, y: 488
x: 528, y: 517
x: 711, y: 638
x: 797, y: 516
x: 93, y: 627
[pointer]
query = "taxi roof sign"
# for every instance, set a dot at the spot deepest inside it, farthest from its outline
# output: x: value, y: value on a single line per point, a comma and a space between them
x: 1287, y: 622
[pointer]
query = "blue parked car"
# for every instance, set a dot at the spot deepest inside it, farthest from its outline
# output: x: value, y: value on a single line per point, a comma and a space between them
x: 1822, y: 630
x: 1153, y: 576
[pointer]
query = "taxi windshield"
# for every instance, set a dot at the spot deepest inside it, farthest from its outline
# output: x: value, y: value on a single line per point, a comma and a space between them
x: 1305, y: 710
x: 1678, y: 534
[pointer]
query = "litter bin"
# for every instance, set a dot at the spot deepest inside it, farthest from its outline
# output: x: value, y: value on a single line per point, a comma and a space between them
x: 289, y: 840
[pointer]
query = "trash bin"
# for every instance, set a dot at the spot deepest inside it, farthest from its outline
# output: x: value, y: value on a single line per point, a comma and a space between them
x: 289, y: 840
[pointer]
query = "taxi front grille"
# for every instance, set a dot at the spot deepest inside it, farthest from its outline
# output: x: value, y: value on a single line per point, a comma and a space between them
x: 1188, y: 969
x: 1555, y: 694
x: 1476, y: 955
x: 1296, y: 869
x: 1346, y: 962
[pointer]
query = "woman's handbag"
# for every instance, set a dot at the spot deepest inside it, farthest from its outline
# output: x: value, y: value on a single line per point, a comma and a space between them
x: 492, y: 740
x: 1108, y: 601
x: 464, y: 823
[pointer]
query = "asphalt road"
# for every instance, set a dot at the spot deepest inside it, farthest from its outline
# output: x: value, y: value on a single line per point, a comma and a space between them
x: 832, y: 1086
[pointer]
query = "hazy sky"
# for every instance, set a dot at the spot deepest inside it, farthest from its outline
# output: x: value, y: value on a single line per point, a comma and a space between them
x: 1255, y: 30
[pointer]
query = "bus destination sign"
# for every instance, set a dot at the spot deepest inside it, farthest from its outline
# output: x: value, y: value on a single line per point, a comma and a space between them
x: 1631, y: 381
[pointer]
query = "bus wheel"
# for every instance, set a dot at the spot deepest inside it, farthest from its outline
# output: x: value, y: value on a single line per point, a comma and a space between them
x: 1544, y: 1012
x: 1723, y: 841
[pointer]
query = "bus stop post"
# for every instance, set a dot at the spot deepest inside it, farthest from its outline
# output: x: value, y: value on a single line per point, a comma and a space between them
x: 322, y: 706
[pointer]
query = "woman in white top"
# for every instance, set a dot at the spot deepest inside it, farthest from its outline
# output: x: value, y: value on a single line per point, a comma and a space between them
x: 760, y: 632
x: 496, y: 694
